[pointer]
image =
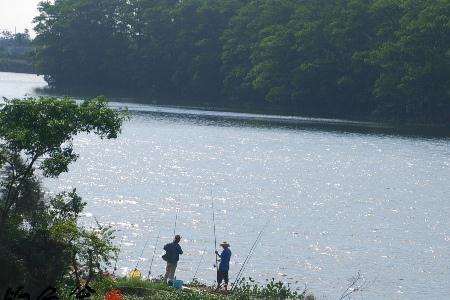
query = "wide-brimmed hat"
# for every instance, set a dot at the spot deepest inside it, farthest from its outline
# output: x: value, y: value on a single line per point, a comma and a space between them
x: 224, y: 243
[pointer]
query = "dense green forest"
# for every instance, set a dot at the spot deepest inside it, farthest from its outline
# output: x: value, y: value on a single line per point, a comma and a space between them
x: 364, y: 59
x: 15, y: 52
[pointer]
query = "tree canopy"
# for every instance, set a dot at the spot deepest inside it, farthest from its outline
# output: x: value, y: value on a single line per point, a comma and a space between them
x: 347, y: 58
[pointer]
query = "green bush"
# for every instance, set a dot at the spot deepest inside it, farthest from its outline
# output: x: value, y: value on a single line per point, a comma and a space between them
x: 41, y: 242
x: 247, y: 290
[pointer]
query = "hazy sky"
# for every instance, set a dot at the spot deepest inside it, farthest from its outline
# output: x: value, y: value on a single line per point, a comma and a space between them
x: 17, y: 13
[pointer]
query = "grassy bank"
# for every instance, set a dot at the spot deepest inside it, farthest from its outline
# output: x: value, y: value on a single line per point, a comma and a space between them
x: 137, y: 289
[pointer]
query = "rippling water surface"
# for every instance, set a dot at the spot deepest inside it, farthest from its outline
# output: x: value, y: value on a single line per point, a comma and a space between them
x: 338, y: 202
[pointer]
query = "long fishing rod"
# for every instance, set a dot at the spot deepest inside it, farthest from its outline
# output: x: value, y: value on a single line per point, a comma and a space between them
x: 175, y: 226
x: 142, y: 252
x: 154, y: 252
x: 214, y: 228
x: 157, y: 241
x: 258, y: 239
x: 249, y: 255
x: 247, y: 259
x: 156, y: 244
x: 198, y: 266
x: 145, y: 246
x: 239, y: 274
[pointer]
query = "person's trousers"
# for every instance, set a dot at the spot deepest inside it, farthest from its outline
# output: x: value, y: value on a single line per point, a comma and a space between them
x: 222, y: 276
x: 170, y: 271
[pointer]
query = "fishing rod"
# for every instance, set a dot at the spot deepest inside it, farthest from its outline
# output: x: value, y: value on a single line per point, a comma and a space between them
x: 247, y: 259
x: 142, y: 252
x: 198, y: 266
x: 214, y: 228
x: 156, y: 244
x: 175, y: 226
x: 157, y: 241
x: 249, y: 255
x: 215, y: 239
x: 154, y: 252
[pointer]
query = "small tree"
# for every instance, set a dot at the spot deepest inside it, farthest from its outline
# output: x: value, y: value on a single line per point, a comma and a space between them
x: 40, y: 237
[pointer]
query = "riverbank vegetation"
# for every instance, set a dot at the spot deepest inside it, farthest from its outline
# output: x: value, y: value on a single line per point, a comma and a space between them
x: 41, y: 242
x: 157, y: 289
x: 15, y: 52
x: 361, y: 59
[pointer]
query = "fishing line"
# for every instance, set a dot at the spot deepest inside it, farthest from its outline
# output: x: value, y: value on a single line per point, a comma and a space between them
x: 154, y: 252
x: 142, y: 252
x: 198, y: 266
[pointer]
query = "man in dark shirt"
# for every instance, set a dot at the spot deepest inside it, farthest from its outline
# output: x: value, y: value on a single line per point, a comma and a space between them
x: 173, y: 251
x: 224, y: 266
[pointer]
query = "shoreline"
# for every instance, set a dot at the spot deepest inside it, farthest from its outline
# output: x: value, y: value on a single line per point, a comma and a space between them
x: 223, y: 105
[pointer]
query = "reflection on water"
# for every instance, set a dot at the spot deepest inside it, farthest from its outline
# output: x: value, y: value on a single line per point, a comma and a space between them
x: 338, y: 202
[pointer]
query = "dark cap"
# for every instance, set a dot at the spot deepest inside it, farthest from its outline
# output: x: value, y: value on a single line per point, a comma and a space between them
x: 177, y: 237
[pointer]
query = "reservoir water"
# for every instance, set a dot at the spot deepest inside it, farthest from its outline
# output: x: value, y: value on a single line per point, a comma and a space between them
x: 341, y: 197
